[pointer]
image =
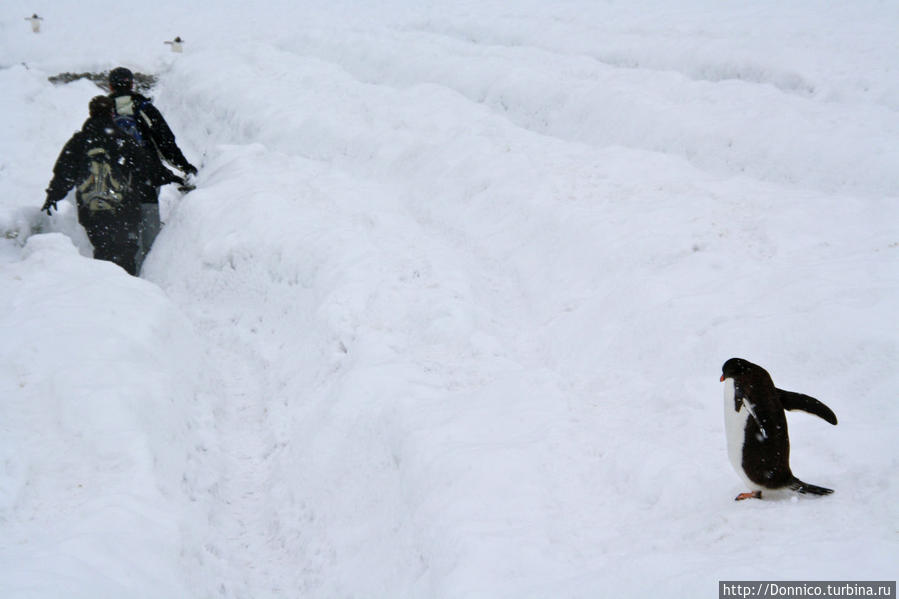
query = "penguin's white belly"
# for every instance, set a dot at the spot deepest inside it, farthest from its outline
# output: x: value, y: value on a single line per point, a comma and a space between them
x: 735, y: 429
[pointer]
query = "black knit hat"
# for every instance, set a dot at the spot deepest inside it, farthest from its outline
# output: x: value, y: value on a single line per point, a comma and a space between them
x: 121, y: 79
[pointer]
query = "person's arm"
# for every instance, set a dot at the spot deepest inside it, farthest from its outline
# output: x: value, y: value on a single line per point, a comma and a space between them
x: 165, y: 139
x: 65, y: 173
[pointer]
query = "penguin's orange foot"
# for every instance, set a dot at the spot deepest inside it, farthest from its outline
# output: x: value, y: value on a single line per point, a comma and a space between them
x: 753, y: 495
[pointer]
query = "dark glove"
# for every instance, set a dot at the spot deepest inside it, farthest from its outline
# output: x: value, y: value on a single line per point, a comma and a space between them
x: 189, y: 169
x: 48, y: 205
x: 166, y: 176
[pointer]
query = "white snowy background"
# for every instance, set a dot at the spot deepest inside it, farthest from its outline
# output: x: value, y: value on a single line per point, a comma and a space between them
x: 446, y: 314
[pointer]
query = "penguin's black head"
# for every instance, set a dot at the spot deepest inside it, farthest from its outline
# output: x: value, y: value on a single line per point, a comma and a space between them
x: 735, y: 367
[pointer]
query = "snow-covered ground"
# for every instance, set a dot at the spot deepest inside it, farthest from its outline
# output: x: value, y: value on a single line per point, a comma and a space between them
x: 446, y: 314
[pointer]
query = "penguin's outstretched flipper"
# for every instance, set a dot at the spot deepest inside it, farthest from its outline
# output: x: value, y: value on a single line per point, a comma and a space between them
x: 798, y: 401
x: 807, y: 489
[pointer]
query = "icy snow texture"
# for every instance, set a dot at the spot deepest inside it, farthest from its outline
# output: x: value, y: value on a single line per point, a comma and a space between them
x: 446, y: 314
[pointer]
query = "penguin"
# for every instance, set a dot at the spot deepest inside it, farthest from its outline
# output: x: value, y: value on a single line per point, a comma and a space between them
x: 758, y: 443
x: 35, y: 22
x: 176, y: 44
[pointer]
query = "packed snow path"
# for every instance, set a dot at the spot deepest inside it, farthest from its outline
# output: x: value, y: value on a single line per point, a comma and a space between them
x: 446, y: 314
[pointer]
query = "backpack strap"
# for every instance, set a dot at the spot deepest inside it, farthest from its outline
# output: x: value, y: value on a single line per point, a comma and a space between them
x: 143, y: 115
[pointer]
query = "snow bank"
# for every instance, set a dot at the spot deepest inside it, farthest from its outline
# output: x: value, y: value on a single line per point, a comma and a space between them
x: 97, y: 415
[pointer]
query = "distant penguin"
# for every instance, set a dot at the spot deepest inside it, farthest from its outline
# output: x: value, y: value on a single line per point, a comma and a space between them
x: 177, y: 44
x: 758, y: 443
x: 35, y: 22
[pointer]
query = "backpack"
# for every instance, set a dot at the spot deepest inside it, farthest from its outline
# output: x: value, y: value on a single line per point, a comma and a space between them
x: 126, y: 119
x: 104, y: 189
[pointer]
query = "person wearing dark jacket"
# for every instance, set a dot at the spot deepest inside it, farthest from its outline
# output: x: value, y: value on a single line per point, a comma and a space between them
x: 110, y: 174
x: 136, y: 115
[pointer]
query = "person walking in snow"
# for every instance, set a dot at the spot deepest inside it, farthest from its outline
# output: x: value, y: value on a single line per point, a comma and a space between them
x: 110, y: 174
x: 136, y: 116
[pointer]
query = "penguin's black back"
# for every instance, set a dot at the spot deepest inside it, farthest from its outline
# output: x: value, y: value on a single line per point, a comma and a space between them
x: 766, y: 443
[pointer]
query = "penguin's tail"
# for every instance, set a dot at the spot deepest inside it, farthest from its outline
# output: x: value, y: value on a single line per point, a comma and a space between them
x: 807, y: 489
